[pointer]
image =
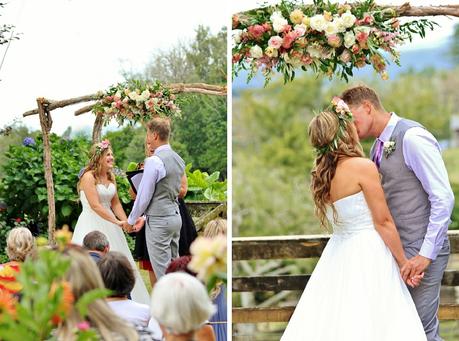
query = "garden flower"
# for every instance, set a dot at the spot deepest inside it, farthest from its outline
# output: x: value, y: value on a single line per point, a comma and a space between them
x: 66, y: 300
x: 7, y: 304
x: 346, y: 56
x: 279, y: 22
x: 256, y: 31
x: 349, y: 39
x: 300, y: 30
x: 296, y: 16
x: 208, y: 256
x: 271, y: 52
x: 256, y: 52
x: 318, y: 23
x: 275, y: 42
x: 334, y: 40
x: 348, y: 19
x: 289, y: 38
x: 28, y: 141
x: 306, y: 21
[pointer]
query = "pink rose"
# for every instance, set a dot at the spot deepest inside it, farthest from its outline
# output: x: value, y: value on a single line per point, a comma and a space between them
x: 83, y: 325
x: 267, y: 27
x: 355, y: 48
x: 256, y: 31
x: 306, y: 59
x: 300, y: 30
x: 236, y: 57
x: 362, y: 37
x: 118, y: 104
x: 275, y: 42
x: 334, y: 40
x: 289, y: 38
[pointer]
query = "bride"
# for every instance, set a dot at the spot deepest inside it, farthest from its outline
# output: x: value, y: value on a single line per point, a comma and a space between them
x: 102, y: 209
x: 356, y: 292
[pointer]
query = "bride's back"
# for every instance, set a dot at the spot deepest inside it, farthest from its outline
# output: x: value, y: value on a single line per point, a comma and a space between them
x: 346, y: 179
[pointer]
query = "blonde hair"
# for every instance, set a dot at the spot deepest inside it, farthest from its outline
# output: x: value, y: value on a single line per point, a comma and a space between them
x: 161, y: 126
x: 323, y: 129
x: 84, y: 276
x: 19, y: 244
x: 95, y: 166
x: 215, y: 228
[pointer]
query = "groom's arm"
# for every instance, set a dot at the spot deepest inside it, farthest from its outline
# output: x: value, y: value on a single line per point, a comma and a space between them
x: 153, y: 172
x: 423, y: 156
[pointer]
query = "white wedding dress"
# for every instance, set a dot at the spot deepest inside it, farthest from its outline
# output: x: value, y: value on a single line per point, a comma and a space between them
x: 89, y: 221
x: 355, y: 292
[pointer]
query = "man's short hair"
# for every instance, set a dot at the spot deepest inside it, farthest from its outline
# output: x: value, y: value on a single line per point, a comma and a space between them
x: 117, y: 273
x: 357, y: 94
x: 160, y: 126
x: 95, y: 241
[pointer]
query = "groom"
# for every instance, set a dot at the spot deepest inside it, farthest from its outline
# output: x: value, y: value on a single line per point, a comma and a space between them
x: 157, y: 197
x: 417, y: 191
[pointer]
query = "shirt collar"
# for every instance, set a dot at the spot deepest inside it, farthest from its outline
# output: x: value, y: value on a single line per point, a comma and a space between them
x: 163, y: 147
x: 388, y: 130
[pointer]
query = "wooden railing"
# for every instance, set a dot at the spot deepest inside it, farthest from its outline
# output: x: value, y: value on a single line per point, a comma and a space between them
x: 292, y: 247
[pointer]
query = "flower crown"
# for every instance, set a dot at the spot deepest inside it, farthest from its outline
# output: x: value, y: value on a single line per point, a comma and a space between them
x: 344, y: 115
x: 101, y: 146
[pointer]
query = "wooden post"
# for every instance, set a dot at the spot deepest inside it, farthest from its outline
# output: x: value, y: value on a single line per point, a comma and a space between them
x: 46, y: 123
x: 97, y: 129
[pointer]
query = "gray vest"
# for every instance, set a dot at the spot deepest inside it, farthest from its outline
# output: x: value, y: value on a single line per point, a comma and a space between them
x: 408, y: 202
x: 164, y: 201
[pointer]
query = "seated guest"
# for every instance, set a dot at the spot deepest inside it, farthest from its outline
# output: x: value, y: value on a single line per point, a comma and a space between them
x: 20, y: 244
x: 180, y: 304
x: 84, y: 276
x: 219, y: 320
x: 97, y: 244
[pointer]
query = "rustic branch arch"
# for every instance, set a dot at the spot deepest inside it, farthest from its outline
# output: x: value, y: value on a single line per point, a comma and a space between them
x: 45, y: 106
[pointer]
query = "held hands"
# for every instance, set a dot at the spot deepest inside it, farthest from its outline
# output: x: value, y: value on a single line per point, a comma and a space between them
x: 413, y: 269
x: 139, y: 223
x: 128, y: 228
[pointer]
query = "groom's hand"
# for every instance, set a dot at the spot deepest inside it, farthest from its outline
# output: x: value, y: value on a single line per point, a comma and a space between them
x: 414, y: 266
x: 139, y: 224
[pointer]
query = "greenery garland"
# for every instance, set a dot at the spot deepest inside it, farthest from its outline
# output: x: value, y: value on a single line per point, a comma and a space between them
x: 136, y: 101
x: 328, y: 38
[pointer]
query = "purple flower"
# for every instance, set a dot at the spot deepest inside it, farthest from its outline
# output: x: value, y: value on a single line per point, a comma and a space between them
x: 28, y: 141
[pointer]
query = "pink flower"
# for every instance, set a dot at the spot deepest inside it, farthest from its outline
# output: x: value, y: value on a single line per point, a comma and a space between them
x: 256, y: 31
x: 306, y: 59
x: 334, y: 40
x: 289, y: 38
x: 355, y: 48
x: 83, y: 325
x: 236, y: 57
x: 267, y: 27
x: 275, y: 42
x: 300, y: 30
x: 362, y: 37
x: 346, y: 56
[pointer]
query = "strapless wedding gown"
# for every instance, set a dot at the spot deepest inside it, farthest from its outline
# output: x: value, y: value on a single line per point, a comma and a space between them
x: 355, y: 292
x: 89, y: 221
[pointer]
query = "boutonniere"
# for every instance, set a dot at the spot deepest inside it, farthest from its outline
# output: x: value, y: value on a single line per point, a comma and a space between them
x: 389, y: 147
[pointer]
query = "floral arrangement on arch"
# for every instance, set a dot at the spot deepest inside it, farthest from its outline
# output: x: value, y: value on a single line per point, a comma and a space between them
x: 328, y: 38
x: 136, y: 101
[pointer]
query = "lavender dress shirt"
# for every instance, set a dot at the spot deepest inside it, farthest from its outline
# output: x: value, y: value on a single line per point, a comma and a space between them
x: 153, y: 172
x: 422, y: 155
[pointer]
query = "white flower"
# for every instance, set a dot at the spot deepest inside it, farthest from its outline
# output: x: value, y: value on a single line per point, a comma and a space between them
x: 133, y: 95
x: 256, y: 52
x: 318, y: 23
x: 144, y: 95
x: 314, y: 52
x: 275, y: 42
x: 388, y: 144
x: 365, y: 29
x: 276, y: 15
x: 349, y: 39
x: 237, y: 36
x: 279, y: 24
x: 331, y: 28
x: 295, y: 62
x: 271, y: 52
x: 340, y: 26
x: 348, y: 19
x: 300, y: 30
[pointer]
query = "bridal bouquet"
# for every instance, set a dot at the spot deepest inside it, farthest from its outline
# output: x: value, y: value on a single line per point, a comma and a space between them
x: 328, y: 38
x: 136, y: 101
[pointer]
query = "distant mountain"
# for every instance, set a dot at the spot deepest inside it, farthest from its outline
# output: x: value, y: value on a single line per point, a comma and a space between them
x: 435, y: 56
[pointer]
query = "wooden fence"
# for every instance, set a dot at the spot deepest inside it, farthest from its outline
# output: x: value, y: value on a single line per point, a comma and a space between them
x: 293, y: 247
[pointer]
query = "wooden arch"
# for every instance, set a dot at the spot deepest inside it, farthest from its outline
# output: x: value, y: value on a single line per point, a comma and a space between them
x: 44, y: 108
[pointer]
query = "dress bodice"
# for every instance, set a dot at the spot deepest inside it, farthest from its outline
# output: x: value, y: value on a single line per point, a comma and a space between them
x: 353, y: 215
x: 106, y: 194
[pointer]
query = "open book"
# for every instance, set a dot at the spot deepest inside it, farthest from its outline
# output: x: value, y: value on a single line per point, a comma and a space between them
x: 134, y: 178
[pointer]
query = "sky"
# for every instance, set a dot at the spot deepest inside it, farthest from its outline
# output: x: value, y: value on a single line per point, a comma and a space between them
x: 70, y: 48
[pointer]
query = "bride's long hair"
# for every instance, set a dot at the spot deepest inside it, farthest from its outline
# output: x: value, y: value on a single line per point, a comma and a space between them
x: 94, y: 164
x: 324, y: 130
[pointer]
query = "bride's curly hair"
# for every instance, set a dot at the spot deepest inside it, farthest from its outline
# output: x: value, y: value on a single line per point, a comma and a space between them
x: 97, y: 152
x: 333, y: 139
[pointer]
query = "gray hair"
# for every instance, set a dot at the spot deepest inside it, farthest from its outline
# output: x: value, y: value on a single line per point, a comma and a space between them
x: 180, y: 303
x: 95, y: 240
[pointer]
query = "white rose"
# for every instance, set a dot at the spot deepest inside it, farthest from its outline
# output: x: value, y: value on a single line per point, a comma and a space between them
x: 279, y: 24
x: 318, y: 23
x: 133, y: 95
x: 341, y: 27
x: 145, y: 95
x: 349, y: 39
x: 364, y: 29
x: 256, y: 52
x: 331, y: 28
x: 348, y: 19
x: 237, y: 36
x: 271, y: 52
x: 275, y: 16
x: 300, y: 30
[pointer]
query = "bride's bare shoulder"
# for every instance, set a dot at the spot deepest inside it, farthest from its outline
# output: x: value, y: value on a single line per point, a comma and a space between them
x: 88, y: 178
x: 358, y: 164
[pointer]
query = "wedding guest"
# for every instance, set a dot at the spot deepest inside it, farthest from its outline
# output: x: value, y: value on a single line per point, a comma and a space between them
x: 180, y: 264
x: 181, y: 306
x: 84, y: 276
x: 119, y: 277
x: 219, y: 320
x: 20, y: 244
x: 97, y: 245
